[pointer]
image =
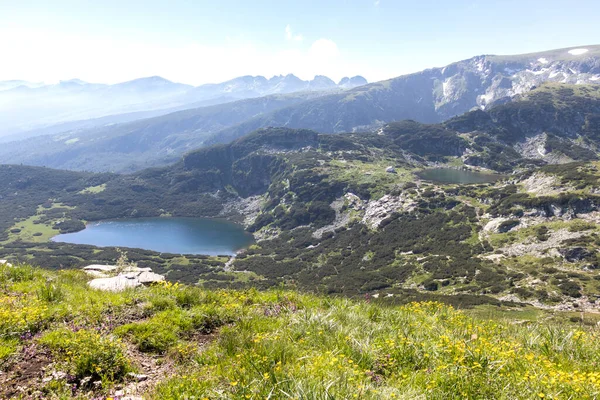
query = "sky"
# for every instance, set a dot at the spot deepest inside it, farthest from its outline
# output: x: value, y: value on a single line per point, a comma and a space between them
x: 197, y: 41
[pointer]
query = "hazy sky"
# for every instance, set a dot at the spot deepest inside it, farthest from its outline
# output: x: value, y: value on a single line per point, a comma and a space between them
x: 198, y: 41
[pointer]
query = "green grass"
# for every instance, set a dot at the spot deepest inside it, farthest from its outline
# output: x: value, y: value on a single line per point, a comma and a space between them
x: 282, y: 344
x: 359, y: 172
x: 88, y: 353
x: 30, y: 231
x: 94, y: 189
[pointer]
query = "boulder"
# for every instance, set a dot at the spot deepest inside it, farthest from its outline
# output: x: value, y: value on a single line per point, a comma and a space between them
x: 390, y: 170
x: 101, y: 268
x: 114, y: 284
x: 147, y: 278
x: 136, y: 277
x: 137, y: 269
x: 96, y: 274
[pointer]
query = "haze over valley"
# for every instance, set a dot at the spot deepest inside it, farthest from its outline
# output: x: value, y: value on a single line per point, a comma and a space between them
x: 430, y: 96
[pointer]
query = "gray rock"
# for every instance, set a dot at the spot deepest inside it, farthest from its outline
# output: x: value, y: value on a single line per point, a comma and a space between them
x: 101, y: 268
x: 114, y: 284
x: 136, y: 269
x: 59, y: 375
x: 147, y: 278
x: 137, y: 377
x: 126, y: 280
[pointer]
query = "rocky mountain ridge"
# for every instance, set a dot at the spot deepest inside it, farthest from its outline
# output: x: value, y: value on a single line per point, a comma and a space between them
x: 433, y: 95
x: 430, y: 96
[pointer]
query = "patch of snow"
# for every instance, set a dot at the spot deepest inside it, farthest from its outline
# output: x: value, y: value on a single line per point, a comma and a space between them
x: 543, y: 60
x: 539, y: 72
x: 486, y: 98
x: 595, y: 78
x: 480, y: 66
x: 578, y: 52
x: 554, y: 74
x: 445, y: 87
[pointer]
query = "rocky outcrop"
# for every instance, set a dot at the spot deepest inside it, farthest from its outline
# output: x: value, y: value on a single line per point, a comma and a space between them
x: 128, y: 277
x: 378, y: 210
x: 546, y: 248
x: 541, y: 184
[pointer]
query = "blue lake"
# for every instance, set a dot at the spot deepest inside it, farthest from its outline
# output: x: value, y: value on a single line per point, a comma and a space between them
x: 165, y: 235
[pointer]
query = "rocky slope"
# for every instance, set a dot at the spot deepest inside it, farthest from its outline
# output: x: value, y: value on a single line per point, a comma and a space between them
x: 433, y: 95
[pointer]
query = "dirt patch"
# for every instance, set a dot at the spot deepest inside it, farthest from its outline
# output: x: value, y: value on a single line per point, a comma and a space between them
x: 24, y: 378
x: 153, y: 369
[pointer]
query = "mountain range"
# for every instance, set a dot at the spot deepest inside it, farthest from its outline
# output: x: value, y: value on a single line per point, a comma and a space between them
x: 352, y: 213
x: 26, y: 108
x: 430, y: 96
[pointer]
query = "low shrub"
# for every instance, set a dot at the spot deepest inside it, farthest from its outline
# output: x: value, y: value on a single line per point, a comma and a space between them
x: 89, y: 353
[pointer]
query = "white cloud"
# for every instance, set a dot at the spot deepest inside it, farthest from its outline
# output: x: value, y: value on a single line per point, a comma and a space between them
x: 376, y: 3
x: 51, y: 56
x: 324, y: 48
x: 289, y: 34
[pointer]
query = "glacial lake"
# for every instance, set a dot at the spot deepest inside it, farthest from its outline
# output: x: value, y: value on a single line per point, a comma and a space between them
x: 450, y: 175
x: 165, y: 235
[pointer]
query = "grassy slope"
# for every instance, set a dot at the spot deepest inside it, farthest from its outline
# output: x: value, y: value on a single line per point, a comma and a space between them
x: 282, y: 344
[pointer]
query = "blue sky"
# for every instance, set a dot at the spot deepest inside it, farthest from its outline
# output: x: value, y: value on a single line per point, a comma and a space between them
x: 210, y: 41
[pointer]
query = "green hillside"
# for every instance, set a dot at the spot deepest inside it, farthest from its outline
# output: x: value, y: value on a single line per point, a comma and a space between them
x: 331, y: 217
x: 60, y: 339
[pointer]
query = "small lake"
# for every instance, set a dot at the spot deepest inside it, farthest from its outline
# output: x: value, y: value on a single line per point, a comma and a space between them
x: 450, y: 175
x: 165, y: 235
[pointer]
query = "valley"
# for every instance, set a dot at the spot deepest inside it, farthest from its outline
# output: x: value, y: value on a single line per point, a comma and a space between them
x: 431, y: 236
x: 351, y: 213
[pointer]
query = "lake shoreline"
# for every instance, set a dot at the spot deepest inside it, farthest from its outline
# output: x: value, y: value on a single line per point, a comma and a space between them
x: 178, y: 235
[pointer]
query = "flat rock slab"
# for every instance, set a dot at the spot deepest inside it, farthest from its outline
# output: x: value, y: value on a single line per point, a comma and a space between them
x: 101, y: 268
x: 146, y: 278
x: 126, y: 281
x: 137, y: 269
x: 114, y: 284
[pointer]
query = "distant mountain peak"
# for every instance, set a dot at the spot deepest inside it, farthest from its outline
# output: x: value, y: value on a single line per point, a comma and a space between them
x: 74, y: 81
x: 151, y: 79
x: 348, y: 83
